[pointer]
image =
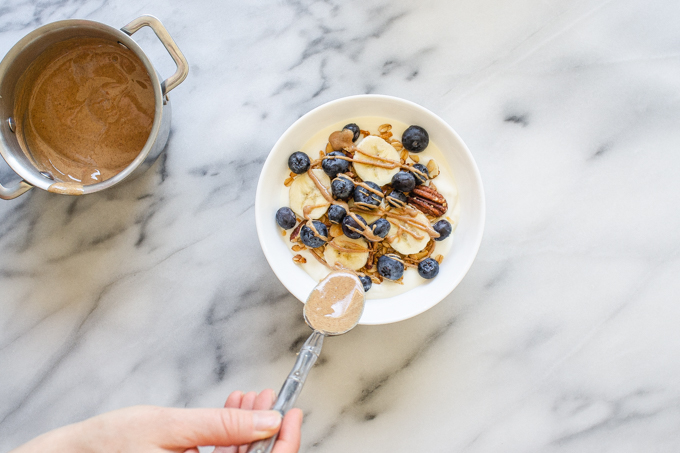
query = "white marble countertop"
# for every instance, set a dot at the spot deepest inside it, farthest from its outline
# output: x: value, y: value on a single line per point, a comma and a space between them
x: 564, y: 335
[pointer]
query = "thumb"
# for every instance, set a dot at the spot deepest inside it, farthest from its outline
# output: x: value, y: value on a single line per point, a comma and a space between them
x: 221, y: 427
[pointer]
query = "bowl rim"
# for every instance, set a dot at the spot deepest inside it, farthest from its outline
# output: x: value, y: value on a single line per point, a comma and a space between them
x: 474, y: 174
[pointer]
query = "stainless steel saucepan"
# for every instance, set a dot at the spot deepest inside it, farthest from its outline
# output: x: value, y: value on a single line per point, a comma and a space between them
x: 30, y: 46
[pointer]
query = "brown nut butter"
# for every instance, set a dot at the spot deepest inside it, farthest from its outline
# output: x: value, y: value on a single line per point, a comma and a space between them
x: 336, y: 303
x: 84, y: 110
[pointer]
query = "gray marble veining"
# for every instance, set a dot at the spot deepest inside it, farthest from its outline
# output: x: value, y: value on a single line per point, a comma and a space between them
x: 562, y: 338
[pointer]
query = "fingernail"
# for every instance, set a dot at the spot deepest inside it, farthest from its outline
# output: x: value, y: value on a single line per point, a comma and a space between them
x: 273, y: 397
x: 266, y: 420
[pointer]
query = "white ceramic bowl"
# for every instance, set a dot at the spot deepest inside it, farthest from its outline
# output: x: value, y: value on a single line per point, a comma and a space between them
x: 467, y: 236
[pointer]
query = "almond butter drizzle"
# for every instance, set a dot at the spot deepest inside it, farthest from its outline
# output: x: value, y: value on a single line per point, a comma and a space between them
x: 411, y: 221
x: 401, y: 204
x: 367, y: 187
x: 397, y: 214
x: 308, y: 210
x: 400, y: 230
x: 344, y: 176
x: 384, y: 162
x: 398, y: 258
x: 310, y: 223
x: 319, y: 258
x: 394, y: 257
x: 348, y: 248
x: 320, y: 186
x: 373, y: 190
x: 365, y: 231
x: 375, y: 195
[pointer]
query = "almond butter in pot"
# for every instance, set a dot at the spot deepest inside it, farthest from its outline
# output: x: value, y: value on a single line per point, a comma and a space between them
x: 84, y: 111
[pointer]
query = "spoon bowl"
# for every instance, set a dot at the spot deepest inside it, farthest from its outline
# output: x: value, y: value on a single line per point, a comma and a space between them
x: 336, y: 303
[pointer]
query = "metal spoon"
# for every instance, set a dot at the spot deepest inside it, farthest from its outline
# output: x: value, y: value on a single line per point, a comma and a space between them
x: 333, y: 308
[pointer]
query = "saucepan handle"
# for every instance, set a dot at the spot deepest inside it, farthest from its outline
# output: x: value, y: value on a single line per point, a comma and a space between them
x: 163, y: 35
x: 7, y: 193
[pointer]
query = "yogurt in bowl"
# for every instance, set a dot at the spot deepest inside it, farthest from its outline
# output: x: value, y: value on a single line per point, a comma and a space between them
x: 458, y: 182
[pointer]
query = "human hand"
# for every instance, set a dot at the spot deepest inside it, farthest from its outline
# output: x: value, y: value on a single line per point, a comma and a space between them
x: 288, y: 440
x: 150, y: 429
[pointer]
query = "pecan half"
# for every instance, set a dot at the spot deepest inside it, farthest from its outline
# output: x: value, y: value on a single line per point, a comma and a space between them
x: 429, y: 194
x: 295, y: 235
x: 429, y: 201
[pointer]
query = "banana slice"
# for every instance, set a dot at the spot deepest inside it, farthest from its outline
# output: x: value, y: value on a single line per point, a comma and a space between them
x: 351, y: 253
x: 402, y: 241
x: 370, y: 218
x: 303, y: 192
x: 376, y: 146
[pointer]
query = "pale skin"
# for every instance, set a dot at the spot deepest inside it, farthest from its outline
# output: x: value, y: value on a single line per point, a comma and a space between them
x: 150, y: 429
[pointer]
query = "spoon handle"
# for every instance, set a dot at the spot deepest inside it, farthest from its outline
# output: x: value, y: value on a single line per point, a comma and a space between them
x: 292, y: 386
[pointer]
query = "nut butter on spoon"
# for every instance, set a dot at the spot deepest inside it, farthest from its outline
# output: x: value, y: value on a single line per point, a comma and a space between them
x: 334, y: 307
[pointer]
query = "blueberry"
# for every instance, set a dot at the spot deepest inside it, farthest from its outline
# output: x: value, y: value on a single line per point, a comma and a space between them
x: 420, y: 179
x: 443, y: 228
x: 336, y: 213
x: 397, y: 199
x: 380, y: 227
x: 365, y: 196
x: 342, y: 188
x: 298, y: 162
x: 415, y: 139
x: 366, y: 281
x: 349, y: 225
x: 334, y: 166
x: 390, y: 268
x: 404, y: 181
x: 355, y: 129
x: 428, y: 268
x: 310, y: 239
x: 285, y: 217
